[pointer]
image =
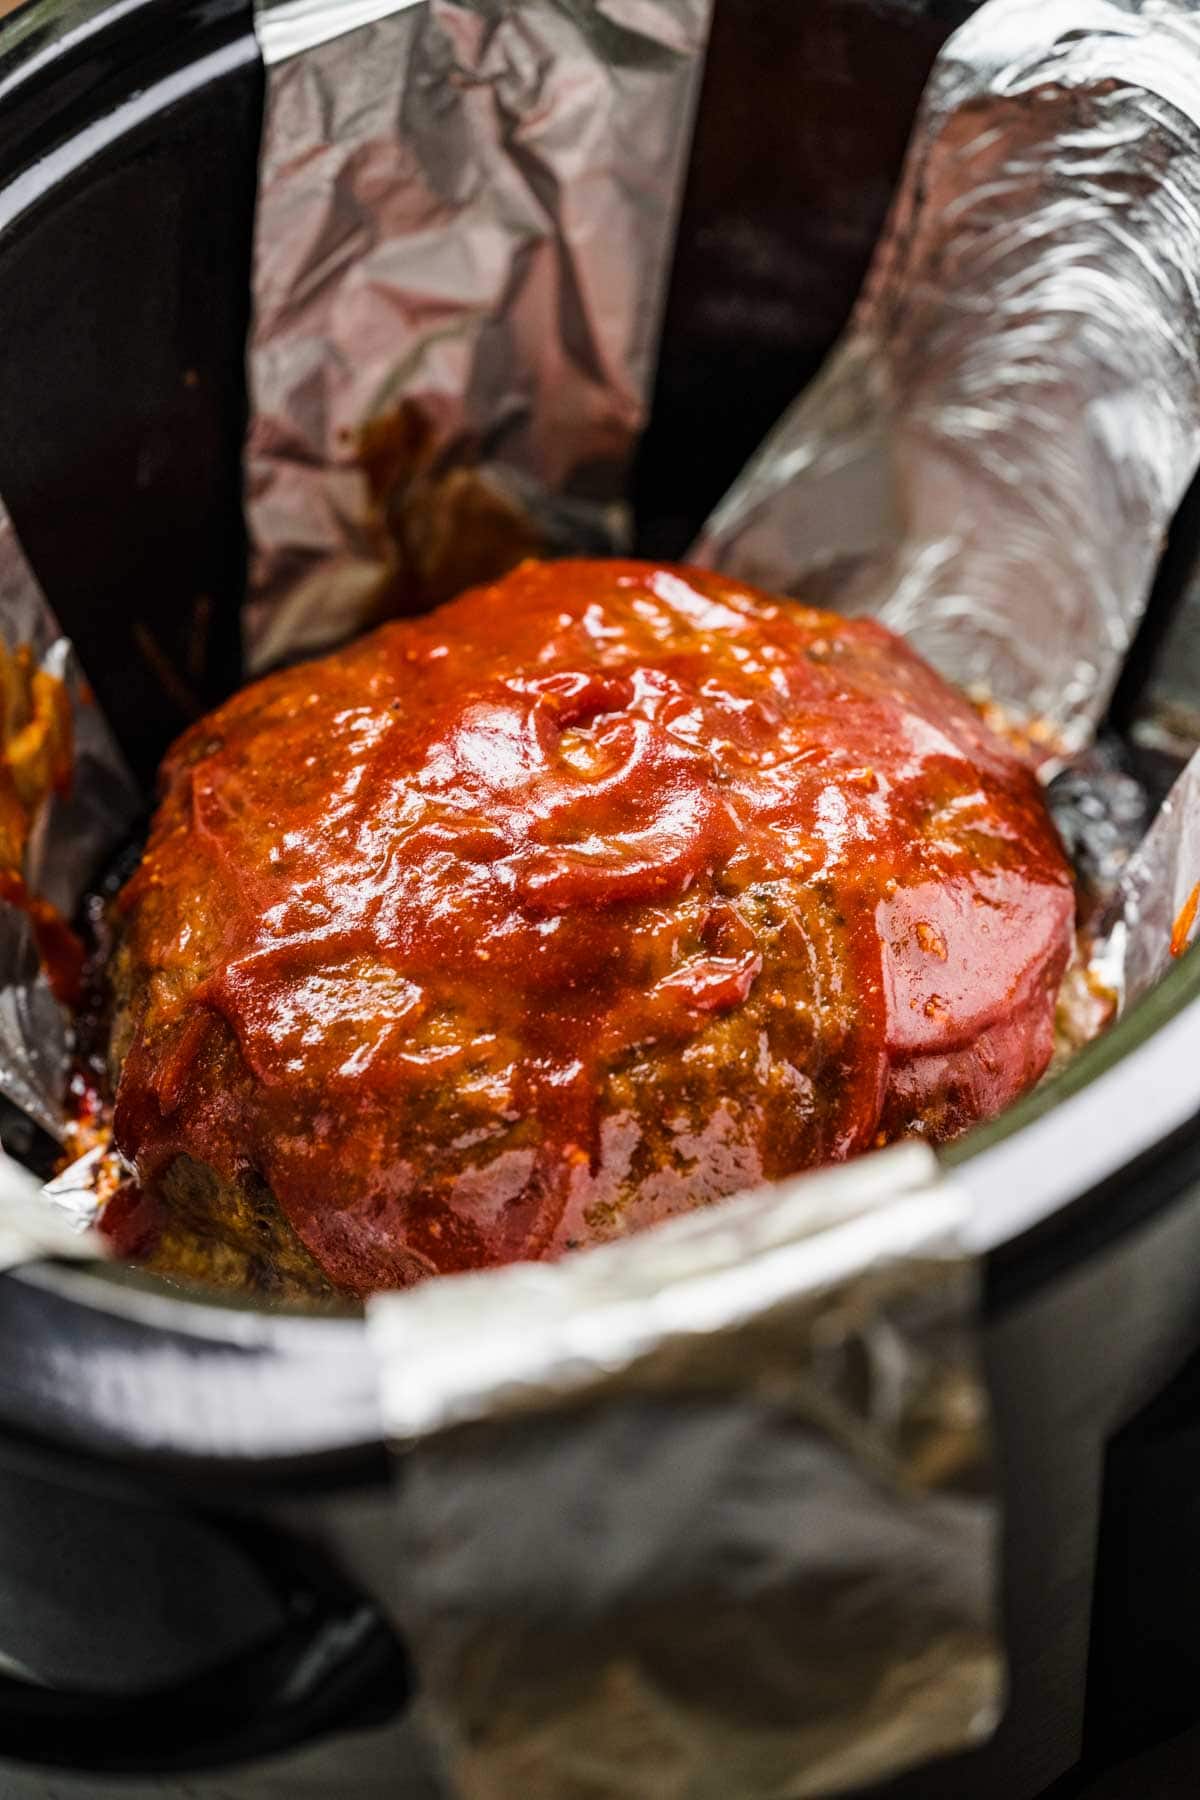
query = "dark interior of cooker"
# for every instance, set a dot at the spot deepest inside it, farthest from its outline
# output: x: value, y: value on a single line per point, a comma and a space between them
x: 125, y: 284
x: 123, y: 309
x: 123, y: 473
x: 126, y: 287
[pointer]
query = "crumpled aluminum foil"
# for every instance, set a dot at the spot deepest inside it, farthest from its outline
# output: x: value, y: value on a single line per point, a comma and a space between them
x: 464, y: 225
x: 31, y: 1230
x: 73, y: 833
x: 991, y: 457
x: 1157, y: 912
x: 705, y: 1513
x: 988, y: 463
x: 709, y: 1512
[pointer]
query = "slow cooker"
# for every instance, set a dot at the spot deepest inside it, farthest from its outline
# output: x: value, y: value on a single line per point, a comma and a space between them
x: 196, y: 1583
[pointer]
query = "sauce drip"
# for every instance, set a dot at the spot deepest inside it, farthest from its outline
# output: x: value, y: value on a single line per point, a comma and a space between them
x: 1181, y: 930
x: 593, y: 895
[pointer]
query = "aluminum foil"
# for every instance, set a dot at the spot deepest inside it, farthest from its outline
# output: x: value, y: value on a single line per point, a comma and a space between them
x: 991, y: 457
x: 653, y: 1542
x: 1157, y: 915
x: 73, y: 828
x: 465, y: 218
x: 72, y: 832
x: 709, y: 1513
x: 31, y: 1230
x: 706, y: 1513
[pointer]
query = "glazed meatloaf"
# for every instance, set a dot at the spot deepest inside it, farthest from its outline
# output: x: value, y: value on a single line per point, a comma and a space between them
x: 590, y: 898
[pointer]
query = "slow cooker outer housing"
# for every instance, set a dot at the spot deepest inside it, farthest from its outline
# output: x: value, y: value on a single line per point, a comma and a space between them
x: 253, y: 1441
x: 240, y: 1419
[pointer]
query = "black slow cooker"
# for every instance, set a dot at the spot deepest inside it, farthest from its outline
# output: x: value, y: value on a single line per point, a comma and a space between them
x: 195, y: 1577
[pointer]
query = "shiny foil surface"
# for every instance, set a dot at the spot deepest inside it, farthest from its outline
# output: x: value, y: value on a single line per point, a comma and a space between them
x: 988, y: 464
x: 1158, y: 906
x: 990, y: 458
x: 73, y: 830
x: 705, y: 1513
x: 465, y: 219
x: 709, y: 1513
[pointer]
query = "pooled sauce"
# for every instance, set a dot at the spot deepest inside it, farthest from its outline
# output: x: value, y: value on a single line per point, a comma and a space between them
x: 36, y: 761
x: 594, y: 895
x: 60, y: 949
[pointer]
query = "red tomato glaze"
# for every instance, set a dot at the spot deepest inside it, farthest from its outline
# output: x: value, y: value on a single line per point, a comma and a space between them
x: 593, y: 895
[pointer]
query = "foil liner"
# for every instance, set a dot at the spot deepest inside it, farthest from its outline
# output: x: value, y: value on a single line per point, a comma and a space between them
x: 465, y: 218
x: 1156, y: 915
x: 73, y: 831
x: 707, y: 1513
x: 990, y: 458
x: 31, y: 1230
x: 647, y: 1549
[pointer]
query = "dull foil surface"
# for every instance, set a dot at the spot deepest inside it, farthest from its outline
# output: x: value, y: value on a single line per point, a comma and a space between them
x: 73, y: 833
x: 707, y: 1513
x: 465, y: 218
x: 990, y: 459
x: 754, y: 1442
x: 1159, y: 900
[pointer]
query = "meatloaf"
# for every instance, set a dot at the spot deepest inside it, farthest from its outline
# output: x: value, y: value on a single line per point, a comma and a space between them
x: 592, y: 897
